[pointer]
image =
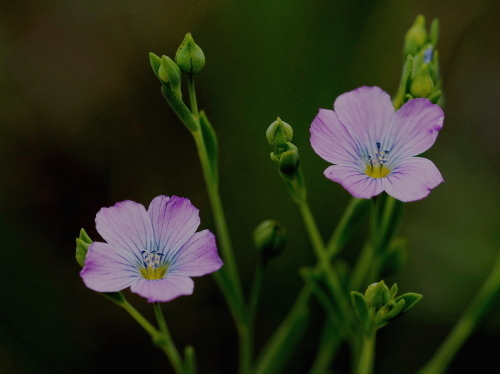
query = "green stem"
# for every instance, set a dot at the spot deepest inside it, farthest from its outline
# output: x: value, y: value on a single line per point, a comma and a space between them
x: 487, y: 295
x: 323, y: 259
x: 367, y: 355
x: 165, y: 342
x: 192, y: 96
x: 150, y: 329
x: 255, y: 292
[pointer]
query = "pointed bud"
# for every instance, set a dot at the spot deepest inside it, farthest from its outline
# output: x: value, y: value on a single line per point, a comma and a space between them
x: 269, y: 239
x: 82, y: 246
x: 377, y: 295
x: 416, y: 37
x: 155, y: 62
x: 189, y: 56
x: 169, y: 73
x: 422, y: 85
x: 279, y: 132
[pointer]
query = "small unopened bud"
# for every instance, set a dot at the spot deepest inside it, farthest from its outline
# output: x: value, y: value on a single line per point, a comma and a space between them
x: 169, y: 73
x: 82, y: 246
x: 279, y: 132
x: 377, y: 295
x: 269, y: 239
x: 422, y: 85
x: 189, y: 56
x: 289, y: 160
x: 416, y: 37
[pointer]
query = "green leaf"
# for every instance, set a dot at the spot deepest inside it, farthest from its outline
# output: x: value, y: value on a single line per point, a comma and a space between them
x: 211, y: 144
x: 396, y: 309
x: 360, y: 308
x: 411, y: 299
x: 393, y: 291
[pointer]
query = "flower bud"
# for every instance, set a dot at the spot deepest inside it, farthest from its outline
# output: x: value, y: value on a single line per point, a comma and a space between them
x: 82, y: 246
x: 279, y: 132
x: 422, y: 85
x: 189, y: 57
x: 169, y: 73
x: 269, y: 239
x: 377, y: 295
x: 415, y: 37
x: 289, y: 160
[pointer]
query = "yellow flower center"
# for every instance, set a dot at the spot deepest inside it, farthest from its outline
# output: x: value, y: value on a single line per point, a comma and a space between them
x: 377, y: 171
x: 153, y: 273
x: 375, y: 167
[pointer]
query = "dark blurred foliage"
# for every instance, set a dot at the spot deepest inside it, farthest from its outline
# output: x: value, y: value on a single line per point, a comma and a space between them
x: 83, y: 125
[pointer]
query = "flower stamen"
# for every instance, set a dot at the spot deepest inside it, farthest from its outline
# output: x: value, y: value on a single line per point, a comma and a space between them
x: 152, y: 269
x: 376, y: 163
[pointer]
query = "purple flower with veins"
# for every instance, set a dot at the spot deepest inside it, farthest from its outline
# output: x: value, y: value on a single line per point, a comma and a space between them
x: 373, y: 146
x: 154, y: 252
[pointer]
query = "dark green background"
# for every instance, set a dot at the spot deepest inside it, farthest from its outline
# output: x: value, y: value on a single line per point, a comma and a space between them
x: 83, y: 125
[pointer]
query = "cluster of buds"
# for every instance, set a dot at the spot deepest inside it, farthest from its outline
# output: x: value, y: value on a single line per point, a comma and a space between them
x: 379, y: 305
x: 285, y: 155
x: 421, y: 77
x: 189, y: 59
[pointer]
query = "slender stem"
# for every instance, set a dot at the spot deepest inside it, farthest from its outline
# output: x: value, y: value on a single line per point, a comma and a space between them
x: 150, y: 329
x: 367, y: 354
x: 323, y: 258
x: 255, y: 292
x: 192, y: 96
x: 165, y: 341
x: 487, y: 295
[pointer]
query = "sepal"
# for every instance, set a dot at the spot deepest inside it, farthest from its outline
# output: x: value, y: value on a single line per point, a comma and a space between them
x: 83, y: 243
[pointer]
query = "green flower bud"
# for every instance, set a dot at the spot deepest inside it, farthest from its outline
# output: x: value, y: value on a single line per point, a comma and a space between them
x: 415, y: 37
x: 422, y: 85
x: 377, y: 295
x: 155, y: 62
x: 170, y: 73
x: 82, y: 246
x: 269, y: 239
x: 279, y: 132
x: 289, y: 160
x: 189, y: 56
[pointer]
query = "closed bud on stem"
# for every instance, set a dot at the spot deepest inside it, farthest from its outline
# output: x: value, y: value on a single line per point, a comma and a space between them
x: 189, y: 56
x: 377, y: 295
x: 416, y: 37
x: 269, y: 239
x: 289, y: 160
x: 83, y: 243
x: 279, y: 132
x: 422, y: 85
x: 170, y: 73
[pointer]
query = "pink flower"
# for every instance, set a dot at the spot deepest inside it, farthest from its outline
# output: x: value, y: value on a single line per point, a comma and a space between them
x: 154, y: 252
x: 373, y: 147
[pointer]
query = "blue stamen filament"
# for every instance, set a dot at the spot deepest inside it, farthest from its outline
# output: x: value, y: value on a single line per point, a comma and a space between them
x: 152, y: 269
x: 376, y: 167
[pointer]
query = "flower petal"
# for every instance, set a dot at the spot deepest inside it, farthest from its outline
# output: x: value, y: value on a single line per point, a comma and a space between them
x: 357, y: 183
x: 413, y: 179
x: 197, y: 257
x: 367, y: 113
x: 108, y: 269
x: 174, y: 221
x: 126, y: 225
x: 165, y: 289
x: 331, y: 140
x: 415, y: 128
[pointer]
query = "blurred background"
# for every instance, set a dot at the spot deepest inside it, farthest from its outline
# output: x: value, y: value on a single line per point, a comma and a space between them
x: 83, y: 125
